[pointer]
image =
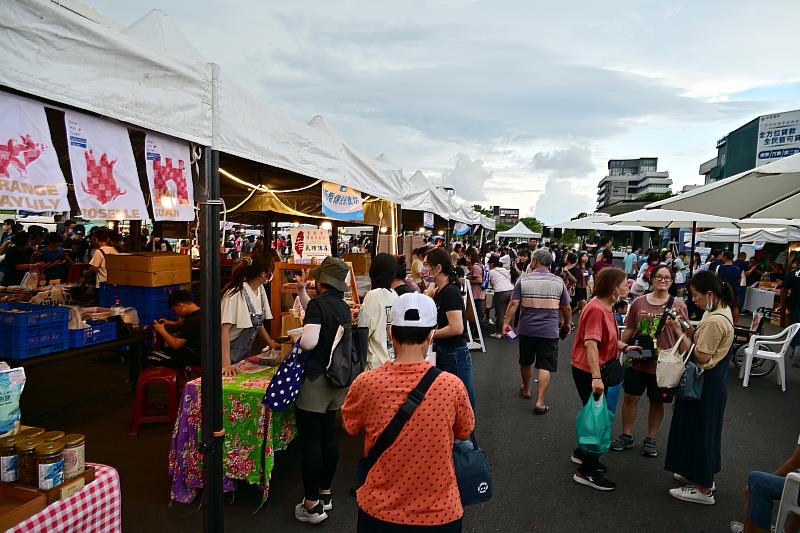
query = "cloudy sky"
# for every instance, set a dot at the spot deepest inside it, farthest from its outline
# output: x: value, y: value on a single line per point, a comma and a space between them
x: 515, y: 103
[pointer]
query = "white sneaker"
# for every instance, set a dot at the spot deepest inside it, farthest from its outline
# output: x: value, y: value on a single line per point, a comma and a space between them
x: 737, y: 527
x: 693, y: 495
x: 679, y: 478
x: 496, y: 336
x: 327, y: 502
x: 310, y: 516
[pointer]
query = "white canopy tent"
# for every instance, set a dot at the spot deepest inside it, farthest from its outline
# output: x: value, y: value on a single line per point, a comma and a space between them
x: 420, y: 195
x: 520, y: 231
x: 668, y: 218
x: 151, y: 76
x: 772, y: 235
x: 597, y: 222
x: 772, y: 190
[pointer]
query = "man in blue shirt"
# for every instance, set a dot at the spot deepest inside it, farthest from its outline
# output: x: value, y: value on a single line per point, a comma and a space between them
x: 632, y: 262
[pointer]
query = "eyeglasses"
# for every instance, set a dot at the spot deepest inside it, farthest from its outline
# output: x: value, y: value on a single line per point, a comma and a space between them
x: 663, y: 278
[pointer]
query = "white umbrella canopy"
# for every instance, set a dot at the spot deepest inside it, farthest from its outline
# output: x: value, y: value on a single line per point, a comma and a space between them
x: 772, y: 190
x: 669, y: 218
x: 597, y: 222
x: 520, y: 231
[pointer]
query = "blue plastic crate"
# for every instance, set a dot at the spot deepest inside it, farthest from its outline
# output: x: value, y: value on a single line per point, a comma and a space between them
x: 28, y: 330
x: 148, y: 301
x: 97, y: 332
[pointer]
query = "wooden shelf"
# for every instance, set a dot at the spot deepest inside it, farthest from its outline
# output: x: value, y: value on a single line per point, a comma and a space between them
x: 282, y: 274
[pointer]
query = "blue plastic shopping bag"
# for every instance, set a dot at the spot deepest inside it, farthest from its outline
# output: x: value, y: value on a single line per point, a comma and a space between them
x: 593, y: 426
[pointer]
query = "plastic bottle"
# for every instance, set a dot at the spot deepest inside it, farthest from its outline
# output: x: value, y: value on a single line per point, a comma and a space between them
x: 117, y: 309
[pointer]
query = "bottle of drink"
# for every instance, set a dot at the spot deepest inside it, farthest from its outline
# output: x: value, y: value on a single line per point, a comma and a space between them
x: 117, y: 309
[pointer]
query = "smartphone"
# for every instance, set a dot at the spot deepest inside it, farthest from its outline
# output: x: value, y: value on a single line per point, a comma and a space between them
x: 511, y: 335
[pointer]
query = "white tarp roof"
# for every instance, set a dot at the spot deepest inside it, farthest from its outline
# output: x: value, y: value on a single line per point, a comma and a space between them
x: 55, y: 54
x: 520, y: 231
x: 772, y: 190
x: 150, y: 75
x: 773, y: 235
x: 420, y: 195
x: 489, y: 223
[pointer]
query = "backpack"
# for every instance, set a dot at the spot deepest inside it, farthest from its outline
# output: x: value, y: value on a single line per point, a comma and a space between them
x: 485, y: 283
x: 348, y: 355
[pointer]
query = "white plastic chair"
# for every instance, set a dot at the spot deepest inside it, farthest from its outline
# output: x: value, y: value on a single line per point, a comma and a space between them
x: 791, y: 489
x: 755, y: 350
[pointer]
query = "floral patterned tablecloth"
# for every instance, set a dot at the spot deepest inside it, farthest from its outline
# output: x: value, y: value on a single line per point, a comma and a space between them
x: 252, y: 435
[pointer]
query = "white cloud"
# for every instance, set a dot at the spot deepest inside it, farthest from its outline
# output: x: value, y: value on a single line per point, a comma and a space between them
x: 559, y: 202
x: 572, y: 162
x: 468, y: 177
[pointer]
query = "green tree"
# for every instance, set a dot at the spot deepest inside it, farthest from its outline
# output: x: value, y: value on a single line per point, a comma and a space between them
x: 482, y: 210
x: 503, y: 227
x: 532, y: 223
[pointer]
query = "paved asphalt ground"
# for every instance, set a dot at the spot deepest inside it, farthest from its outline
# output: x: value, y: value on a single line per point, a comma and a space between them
x: 530, y: 454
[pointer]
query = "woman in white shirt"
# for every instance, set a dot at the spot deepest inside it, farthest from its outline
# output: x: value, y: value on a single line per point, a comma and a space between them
x: 376, y: 310
x: 500, y: 281
x: 244, y: 309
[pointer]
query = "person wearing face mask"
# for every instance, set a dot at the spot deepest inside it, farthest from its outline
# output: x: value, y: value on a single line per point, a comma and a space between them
x: 597, y: 344
x: 694, y: 449
x: 244, y: 309
x: 450, y: 338
x: 641, y: 375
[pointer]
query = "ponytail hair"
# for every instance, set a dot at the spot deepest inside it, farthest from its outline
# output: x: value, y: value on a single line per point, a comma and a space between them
x: 440, y: 257
x: 705, y: 282
x: 245, y: 270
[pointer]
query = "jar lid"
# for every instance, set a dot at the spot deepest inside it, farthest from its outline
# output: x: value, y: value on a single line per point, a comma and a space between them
x: 74, y: 439
x: 31, y: 432
x: 26, y: 445
x: 50, y: 448
x: 8, y: 442
x: 52, y: 435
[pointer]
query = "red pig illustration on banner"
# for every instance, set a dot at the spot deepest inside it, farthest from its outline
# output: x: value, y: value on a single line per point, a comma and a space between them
x: 299, y: 244
x: 19, y: 155
x: 162, y: 175
x: 100, y: 179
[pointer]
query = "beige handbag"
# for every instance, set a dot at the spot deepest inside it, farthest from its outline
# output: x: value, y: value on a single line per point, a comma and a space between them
x: 671, y: 364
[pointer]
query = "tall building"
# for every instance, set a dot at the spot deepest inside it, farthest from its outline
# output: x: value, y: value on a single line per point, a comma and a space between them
x: 762, y: 140
x: 505, y: 215
x: 629, y: 179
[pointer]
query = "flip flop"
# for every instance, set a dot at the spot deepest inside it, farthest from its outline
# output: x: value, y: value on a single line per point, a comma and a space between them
x: 526, y: 396
x: 541, y: 410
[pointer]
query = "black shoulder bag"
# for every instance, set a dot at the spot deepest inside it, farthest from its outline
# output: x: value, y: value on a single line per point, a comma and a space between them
x: 473, y: 474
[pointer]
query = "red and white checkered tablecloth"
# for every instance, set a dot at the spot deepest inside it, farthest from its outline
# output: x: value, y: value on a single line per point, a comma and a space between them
x: 97, y: 507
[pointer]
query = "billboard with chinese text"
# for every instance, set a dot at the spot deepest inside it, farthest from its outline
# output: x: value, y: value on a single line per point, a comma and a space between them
x: 778, y: 137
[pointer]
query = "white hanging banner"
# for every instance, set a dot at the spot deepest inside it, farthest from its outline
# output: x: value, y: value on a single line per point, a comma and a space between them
x: 170, y: 176
x: 30, y: 178
x: 103, y: 169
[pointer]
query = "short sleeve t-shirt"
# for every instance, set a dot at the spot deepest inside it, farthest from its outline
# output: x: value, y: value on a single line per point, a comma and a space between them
x: 191, y: 329
x: 730, y: 274
x: 448, y: 298
x: 641, y: 308
x: 714, y: 335
x: 236, y: 312
x: 329, y: 310
x: 376, y: 315
x: 792, y: 283
x: 413, y: 482
x: 540, y: 294
x: 500, y: 279
x: 596, y: 323
x: 629, y: 260
x: 99, y: 262
x: 476, y: 271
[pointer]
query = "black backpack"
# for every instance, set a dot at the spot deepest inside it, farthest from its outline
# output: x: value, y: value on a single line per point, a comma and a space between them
x: 348, y: 356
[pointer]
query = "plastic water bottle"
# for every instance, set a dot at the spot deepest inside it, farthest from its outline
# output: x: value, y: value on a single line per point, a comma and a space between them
x: 117, y: 309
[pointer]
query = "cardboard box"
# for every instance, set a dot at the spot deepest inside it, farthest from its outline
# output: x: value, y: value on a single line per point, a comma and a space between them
x: 288, y: 322
x: 360, y: 262
x: 149, y: 279
x: 148, y: 262
x: 18, y: 504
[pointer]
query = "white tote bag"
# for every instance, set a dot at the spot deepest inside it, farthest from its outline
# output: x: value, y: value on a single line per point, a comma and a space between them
x: 671, y: 364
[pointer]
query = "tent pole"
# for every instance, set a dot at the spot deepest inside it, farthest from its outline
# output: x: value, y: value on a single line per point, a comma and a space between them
x: 211, y: 397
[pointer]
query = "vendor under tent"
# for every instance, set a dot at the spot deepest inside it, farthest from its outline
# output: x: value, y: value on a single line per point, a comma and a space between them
x: 520, y: 231
x: 768, y: 191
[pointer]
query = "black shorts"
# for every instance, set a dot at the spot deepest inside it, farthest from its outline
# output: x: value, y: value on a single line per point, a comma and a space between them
x: 543, y: 353
x: 637, y: 381
x: 580, y: 294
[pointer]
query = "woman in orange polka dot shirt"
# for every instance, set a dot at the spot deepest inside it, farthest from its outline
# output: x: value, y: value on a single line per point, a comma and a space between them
x: 413, y: 483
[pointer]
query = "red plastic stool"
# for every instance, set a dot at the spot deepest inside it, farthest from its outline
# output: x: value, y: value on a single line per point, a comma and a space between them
x: 149, y: 376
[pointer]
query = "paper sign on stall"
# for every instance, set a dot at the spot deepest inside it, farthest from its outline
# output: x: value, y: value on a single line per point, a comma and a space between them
x: 30, y: 178
x: 341, y: 203
x: 308, y: 244
x: 170, y: 176
x: 103, y: 169
x: 427, y: 220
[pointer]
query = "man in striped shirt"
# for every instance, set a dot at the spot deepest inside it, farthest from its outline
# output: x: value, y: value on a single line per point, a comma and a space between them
x: 545, y: 308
